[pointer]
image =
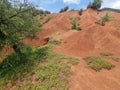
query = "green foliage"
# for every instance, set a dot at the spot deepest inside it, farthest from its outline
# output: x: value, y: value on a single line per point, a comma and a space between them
x: 80, y: 11
x: 89, y: 5
x: 45, y: 68
x: 117, y: 59
x: 96, y: 4
x: 100, y: 22
x: 98, y: 63
x: 64, y: 9
x: 106, y: 54
x: 75, y: 24
x: 47, y: 12
x: 13, y: 68
x: 104, y: 19
x: 68, y: 59
x: 12, y: 62
x: 72, y: 10
x: 54, y: 41
x: 39, y: 12
x: 16, y: 24
x: 47, y: 19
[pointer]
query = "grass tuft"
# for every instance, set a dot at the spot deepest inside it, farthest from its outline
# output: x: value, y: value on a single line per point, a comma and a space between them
x: 75, y: 24
x: 43, y: 70
x: 106, y: 54
x: 47, y: 19
x: 117, y: 59
x: 104, y: 19
x: 98, y: 63
x: 73, y: 61
x: 54, y: 41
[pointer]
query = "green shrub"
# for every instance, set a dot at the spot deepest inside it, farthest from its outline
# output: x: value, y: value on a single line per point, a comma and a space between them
x: 96, y: 4
x: 104, y: 19
x: 13, y: 68
x: 75, y: 24
x: 54, y: 41
x: 98, y: 63
x: 80, y: 11
x: 64, y: 9
x: 45, y: 70
x: 47, y: 19
x: 89, y: 5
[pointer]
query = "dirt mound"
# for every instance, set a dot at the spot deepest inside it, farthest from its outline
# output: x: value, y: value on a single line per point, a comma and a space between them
x: 93, y: 38
x: 57, y: 23
x: 84, y: 78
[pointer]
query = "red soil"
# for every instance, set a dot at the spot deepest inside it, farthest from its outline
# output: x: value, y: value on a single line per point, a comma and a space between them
x: 84, y: 78
x: 92, y: 40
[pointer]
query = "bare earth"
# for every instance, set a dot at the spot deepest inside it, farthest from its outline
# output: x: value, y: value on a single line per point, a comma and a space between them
x: 92, y: 40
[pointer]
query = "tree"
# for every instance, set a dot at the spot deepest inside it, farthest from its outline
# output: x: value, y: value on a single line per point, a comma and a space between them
x: 80, y: 11
x: 89, y: 5
x: 96, y: 4
x: 40, y: 12
x: 47, y: 12
x: 16, y: 24
x: 64, y: 9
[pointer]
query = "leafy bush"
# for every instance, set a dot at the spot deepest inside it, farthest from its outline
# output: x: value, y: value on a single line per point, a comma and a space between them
x: 40, y: 12
x: 54, y: 41
x: 104, y: 19
x: 17, y: 24
x: 47, y: 19
x: 96, y: 4
x: 64, y: 9
x: 89, y: 5
x: 13, y: 68
x: 47, y: 12
x: 98, y: 63
x: 49, y: 71
x: 80, y: 11
x: 75, y: 24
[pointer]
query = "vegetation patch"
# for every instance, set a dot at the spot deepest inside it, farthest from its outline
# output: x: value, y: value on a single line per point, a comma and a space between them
x: 71, y: 60
x: 96, y: 4
x: 117, y: 59
x: 53, y: 41
x: 47, y: 19
x: 80, y: 11
x: 106, y: 54
x: 40, y: 69
x: 104, y: 19
x: 64, y: 9
x: 75, y: 24
x: 98, y: 63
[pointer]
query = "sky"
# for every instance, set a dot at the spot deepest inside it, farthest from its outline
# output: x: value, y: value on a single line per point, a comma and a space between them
x: 56, y: 5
